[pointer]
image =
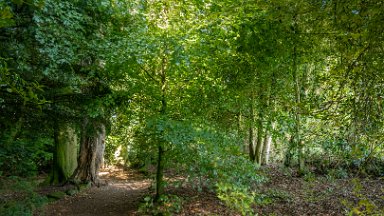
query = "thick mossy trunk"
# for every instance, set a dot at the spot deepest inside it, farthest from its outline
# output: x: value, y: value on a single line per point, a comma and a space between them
x: 91, y: 152
x: 65, y: 154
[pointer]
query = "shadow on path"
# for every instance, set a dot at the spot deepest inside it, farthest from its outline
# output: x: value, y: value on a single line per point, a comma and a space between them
x: 121, y: 196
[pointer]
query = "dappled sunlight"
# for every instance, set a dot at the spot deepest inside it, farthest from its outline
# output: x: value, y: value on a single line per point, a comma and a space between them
x: 115, y: 173
x: 212, y: 107
x: 132, y: 185
x: 120, y: 195
x: 103, y: 173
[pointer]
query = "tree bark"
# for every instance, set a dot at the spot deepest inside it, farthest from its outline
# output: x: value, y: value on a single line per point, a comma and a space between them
x: 298, y: 141
x: 160, y: 173
x: 259, y: 143
x: 288, y: 153
x: 160, y: 147
x: 251, y: 139
x: 65, y: 154
x: 91, y: 152
x: 267, y: 146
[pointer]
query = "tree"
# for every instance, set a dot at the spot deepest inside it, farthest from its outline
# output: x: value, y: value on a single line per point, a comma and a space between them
x: 57, y: 51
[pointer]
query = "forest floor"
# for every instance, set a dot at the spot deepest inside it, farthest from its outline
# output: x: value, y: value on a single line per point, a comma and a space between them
x: 122, y: 194
x: 283, y: 194
x: 288, y: 194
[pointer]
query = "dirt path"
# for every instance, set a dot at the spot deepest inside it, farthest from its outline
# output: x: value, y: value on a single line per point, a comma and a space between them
x: 121, y: 196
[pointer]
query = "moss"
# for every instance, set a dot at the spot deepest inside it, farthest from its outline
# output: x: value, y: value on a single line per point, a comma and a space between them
x: 56, y: 195
x: 71, y: 192
x: 67, y: 154
x: 65, y: 160
x: 84, y: 186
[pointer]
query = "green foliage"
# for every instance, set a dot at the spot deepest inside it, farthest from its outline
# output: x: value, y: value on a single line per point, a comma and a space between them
x: 362, y: 205
x: 201, y: 150
x: 237, y: 198
x: 18, y: 197
x: 210, y: 159
x: 51, y: 70
x: 112, y: 145
x: 24, y: 207
x: 183, y: 74
x: 309, y: 177
x: 338, y: 173
x: 166, y: 205
x: 25, y: 158
x: 13, y: 83
x: 271, y: 196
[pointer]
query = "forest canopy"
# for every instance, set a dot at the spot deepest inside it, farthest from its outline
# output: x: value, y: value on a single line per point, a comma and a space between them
x: 209, y: 89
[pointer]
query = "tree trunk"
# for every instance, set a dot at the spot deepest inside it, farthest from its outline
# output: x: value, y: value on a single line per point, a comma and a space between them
x: 241, y: 133
x: 91, y: 152
x: 65, y: 154
x: 251, y: 140
x: 259, y: 143
x: 298, y: 141
x: 160, y: 173
x: 160, y: 147
x: 288, y: 153
x: 267, y: 147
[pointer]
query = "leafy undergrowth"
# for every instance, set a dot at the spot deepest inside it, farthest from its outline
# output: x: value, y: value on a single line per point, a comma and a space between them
x: 18, y: 196
x: 288, y: 194
x: 284, y: 194
x: 185, y: 201
x: 26, y: 196
x: 185, y: 197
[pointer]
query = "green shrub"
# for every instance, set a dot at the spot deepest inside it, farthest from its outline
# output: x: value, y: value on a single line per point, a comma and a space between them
x: 23, y: 207
x: 237, y: 198
x: 271, y: 196
x: 363, y: 205
x: 166, y: 205
x: 309, y: 177
x: 24, y: 158
x: 209, y: 157
x: 22, y: 199
x: 338, y: 173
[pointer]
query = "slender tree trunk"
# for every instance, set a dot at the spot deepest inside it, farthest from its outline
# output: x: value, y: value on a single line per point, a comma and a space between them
x: 65, y: 154
x: 251, y: 144
x: 267, y: 146
x: 91, y: 151
x: 240, y: 133
x: 288, y: 153
x: 260, y: 127
x: 269, y: 129
x: 298, y: 141
x: 160, y: 157
x: 250, y: 137
x: 259, y: 143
